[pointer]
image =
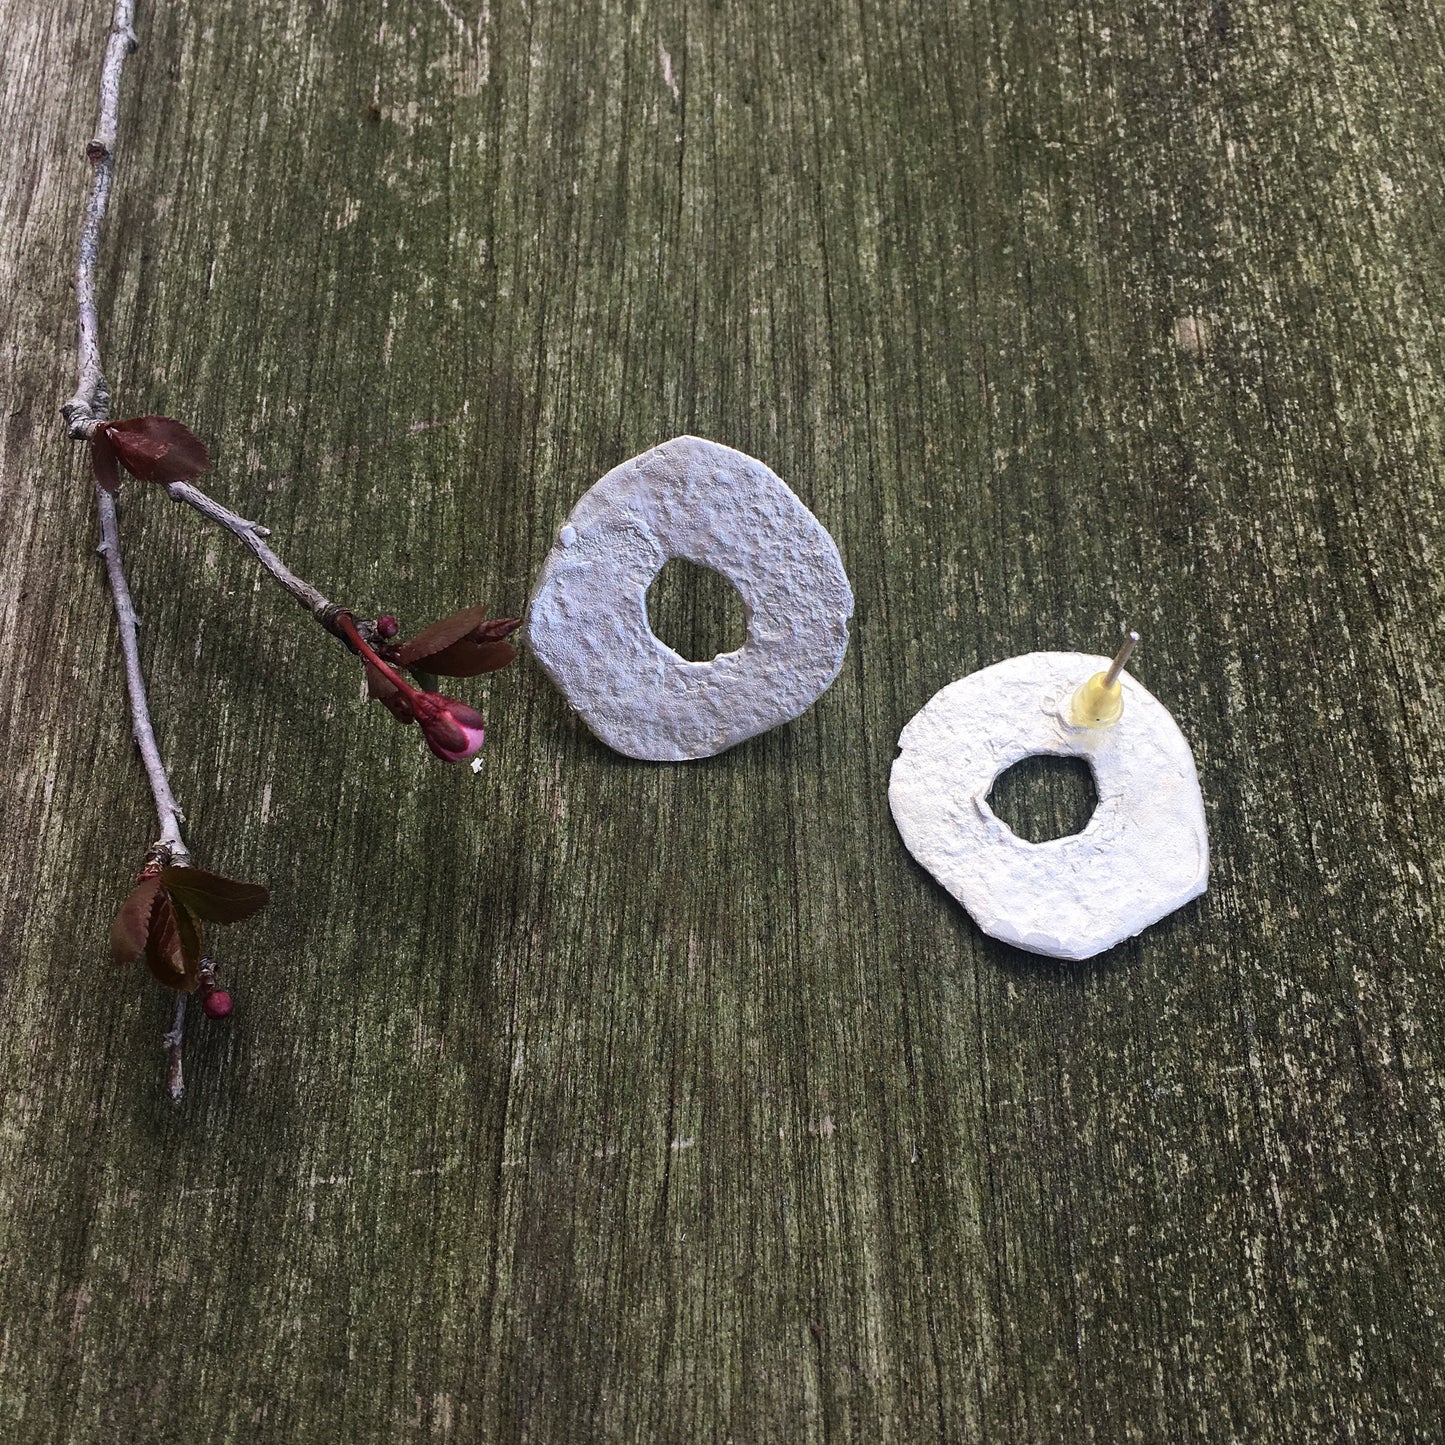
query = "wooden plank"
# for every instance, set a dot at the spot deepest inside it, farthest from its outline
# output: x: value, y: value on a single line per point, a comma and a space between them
x: 583, y: 1100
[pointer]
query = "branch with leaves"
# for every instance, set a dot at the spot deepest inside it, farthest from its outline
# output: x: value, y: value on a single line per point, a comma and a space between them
x: 163, y: 917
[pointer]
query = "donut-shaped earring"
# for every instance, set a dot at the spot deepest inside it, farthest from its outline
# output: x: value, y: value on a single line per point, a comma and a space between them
x: 587, y: 620
x: 1145, y: 851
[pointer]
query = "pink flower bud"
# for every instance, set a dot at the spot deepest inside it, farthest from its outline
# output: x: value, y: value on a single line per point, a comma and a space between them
x: 453, y: 731
x: 387, y: 626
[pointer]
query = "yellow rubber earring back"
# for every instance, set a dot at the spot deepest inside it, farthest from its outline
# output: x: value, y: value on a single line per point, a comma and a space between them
x: 1099, y: 703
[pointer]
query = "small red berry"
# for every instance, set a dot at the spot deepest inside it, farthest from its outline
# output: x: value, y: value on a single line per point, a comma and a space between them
x: 387, y: 626
x: 217, y: 1003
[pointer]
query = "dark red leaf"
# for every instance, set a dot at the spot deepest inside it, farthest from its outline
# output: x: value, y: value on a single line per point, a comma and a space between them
x: 132, y: 924
x: 498, y: 628
x: 465, y: 644
x: 387, y: 693
x: 138, y: 454
x: 470, y: 659
x: 165, y: 953
x: 158, y: 448
x: 103, y: 463
x: 441, y: 635
x: 208, y: 895
x: 378, y: 685
x: 189, y: 929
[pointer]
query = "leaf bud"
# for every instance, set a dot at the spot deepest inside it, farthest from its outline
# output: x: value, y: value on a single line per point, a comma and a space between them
x: 217, y: 1003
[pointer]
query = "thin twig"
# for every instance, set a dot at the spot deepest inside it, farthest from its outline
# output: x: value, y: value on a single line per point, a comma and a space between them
x: 167, y: 811
x: 252, y: 534
x: 91, y: 401
x: 86, y: 410
x: 90, y: 406
x: 175, y: 1043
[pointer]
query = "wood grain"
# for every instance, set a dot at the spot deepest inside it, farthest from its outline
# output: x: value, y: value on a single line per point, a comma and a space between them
x: 582, y: 1100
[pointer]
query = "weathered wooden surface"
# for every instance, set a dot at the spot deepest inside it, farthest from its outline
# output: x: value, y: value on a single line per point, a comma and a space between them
x: 584, y: 1100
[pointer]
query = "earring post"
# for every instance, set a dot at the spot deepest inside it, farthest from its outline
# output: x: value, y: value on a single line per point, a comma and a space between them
x: 1131, y: 641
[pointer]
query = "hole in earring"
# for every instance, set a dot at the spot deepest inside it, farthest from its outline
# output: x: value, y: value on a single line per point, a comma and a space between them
x: 696, y: 611
x: 1044, y: 796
